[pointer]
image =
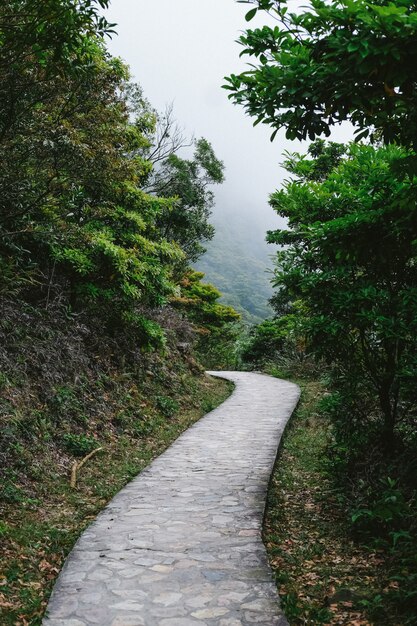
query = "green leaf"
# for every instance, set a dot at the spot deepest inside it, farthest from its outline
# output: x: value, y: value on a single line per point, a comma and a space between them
x: 251, y: 14
x: 361, y: 135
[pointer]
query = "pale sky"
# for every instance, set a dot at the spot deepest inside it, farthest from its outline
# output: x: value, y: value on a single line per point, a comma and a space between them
x: 179, y: 51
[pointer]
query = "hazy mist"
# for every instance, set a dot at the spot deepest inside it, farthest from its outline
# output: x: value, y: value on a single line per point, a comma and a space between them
x: 180, y: 51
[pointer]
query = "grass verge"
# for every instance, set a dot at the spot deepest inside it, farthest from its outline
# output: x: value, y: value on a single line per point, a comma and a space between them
x: 42, y: 519
x: 324, y: 576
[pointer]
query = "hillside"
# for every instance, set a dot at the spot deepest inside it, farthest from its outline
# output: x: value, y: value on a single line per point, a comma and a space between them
x: 238, y: 261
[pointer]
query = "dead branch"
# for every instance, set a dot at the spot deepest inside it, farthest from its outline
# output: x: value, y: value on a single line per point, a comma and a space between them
x: 77, y: 465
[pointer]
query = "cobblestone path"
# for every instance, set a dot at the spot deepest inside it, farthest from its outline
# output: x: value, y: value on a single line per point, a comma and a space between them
x: 181, y: 544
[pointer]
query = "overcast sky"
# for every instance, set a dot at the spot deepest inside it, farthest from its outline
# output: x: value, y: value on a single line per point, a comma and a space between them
x: 179, y: 51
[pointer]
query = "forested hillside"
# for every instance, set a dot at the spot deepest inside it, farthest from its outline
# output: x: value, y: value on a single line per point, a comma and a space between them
x: 104, y: 324
x: 239, y: 262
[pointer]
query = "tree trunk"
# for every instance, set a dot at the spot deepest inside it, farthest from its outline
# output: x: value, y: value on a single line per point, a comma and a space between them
x: 389, y: 415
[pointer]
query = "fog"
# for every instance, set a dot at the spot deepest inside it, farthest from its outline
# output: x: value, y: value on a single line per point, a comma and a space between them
x: 179, y: 51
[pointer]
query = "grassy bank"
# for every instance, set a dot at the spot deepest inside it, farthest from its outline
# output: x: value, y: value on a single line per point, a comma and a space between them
x: 325, y: 574
x: 42, y: 516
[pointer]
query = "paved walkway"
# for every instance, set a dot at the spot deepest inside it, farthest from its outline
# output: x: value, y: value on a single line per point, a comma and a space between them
x: 181, y: 544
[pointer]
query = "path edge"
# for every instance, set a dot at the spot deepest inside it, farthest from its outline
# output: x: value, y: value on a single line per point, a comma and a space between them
x: 218, y: 374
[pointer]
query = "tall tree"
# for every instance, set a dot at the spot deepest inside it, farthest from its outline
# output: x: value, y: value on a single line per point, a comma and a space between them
x: 95, y: 203
x: 340, y: 60
x: 350, y: 256
x: 189, y: 181
x: 73, y: 213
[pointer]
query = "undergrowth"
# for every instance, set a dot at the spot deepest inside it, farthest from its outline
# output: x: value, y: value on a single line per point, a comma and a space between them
x: 332, y: 564
x: 42, y: 519
x: 67, y: 389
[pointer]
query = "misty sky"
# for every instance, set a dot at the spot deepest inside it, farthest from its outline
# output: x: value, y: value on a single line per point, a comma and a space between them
x: 179, y: 51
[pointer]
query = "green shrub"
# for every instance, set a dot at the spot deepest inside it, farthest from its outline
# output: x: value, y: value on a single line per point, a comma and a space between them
x: 11, y: 493
x: 167, y: 406
x: 79, y: 445
x: 145, y: 427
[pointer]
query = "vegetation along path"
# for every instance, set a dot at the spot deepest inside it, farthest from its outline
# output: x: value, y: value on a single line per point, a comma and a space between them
x: 181, y: 544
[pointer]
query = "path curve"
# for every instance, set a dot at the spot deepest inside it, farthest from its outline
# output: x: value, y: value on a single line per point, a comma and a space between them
x: 181, y: 544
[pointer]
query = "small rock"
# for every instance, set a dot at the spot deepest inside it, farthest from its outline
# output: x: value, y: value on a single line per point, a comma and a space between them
x: 209, y: 613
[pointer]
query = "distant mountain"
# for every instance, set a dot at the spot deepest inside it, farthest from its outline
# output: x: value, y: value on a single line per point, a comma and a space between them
x: 238, y: 262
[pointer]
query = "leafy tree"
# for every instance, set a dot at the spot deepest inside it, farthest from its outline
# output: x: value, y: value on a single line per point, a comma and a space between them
x: 56, y: 36
x: 340, y: 60
x: 189, y: 182
x: 73, y: 214
x: 349, y: 251
x: 215, y: 323
x: 350, y: 256
x: 317, y: 164
x: 201, y: 301
x: 80, y: 146
x: 271, y: 339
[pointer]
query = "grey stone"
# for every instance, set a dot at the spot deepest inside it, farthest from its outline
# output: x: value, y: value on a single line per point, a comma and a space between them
x: 197, y: 602
x: 167, y: 599
x: 93, y: 614
x: 181, y: 544
x: 128, y: 621
x: 214, y: 576
x: 262, y: 604
x: 127, y: 605
x: 70, y: 622
x: 179, y: 622
x: 210, y: 613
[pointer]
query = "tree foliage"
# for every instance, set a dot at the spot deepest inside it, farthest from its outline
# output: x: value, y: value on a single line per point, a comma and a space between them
x: 201, y: 299
x: 47, y: 38
x: 334, y: 61
x: 266, y: 341
x: 216, y: 324
x: 71, y: 201
x: 350, y: 255
x: 349, y: 252
x: 350, y: 246
x: 79, y: 146
x: 189, y: 182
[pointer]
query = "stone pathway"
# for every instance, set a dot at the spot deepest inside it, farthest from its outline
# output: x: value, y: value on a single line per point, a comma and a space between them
x: 181, y: 544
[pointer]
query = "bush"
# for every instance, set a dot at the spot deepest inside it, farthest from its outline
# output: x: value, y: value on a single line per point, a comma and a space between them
x: 79, y: 445
x: 167, y: 406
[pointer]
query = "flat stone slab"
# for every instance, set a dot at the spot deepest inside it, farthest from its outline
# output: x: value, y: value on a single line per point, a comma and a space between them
x: 181, y: 544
